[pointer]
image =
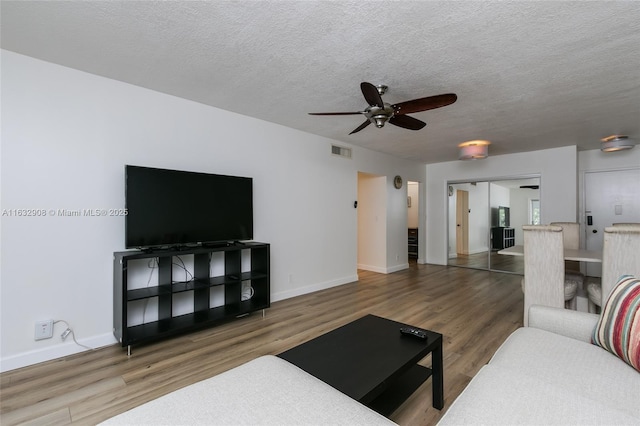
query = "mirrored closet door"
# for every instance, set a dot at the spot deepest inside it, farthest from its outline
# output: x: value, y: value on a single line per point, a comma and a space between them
x: 486, y: 216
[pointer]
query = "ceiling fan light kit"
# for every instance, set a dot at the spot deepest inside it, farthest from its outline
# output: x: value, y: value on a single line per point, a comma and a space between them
x: 379, y: 112
x: 380, y: 119
x: 474, y: 150
x: 615, y: 143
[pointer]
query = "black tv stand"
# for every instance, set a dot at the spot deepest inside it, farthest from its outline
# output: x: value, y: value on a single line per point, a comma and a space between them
x: 146, y: 310
x: 164, y: 249
x: 502, y: 237
x: 216, y: 245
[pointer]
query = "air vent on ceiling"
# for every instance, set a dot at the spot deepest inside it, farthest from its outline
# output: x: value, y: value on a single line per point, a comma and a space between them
x: 341, y: 151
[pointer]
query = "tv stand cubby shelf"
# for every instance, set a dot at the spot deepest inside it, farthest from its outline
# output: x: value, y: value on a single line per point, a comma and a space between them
x: 157, y: 294
x: 502, y: 237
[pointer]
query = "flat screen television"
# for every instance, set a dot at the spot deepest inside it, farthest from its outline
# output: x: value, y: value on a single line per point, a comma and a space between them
x: 503, y: 216
x: 167, y: 208
x: 500, y: 217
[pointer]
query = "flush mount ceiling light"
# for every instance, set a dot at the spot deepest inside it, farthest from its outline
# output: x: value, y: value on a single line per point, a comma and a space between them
x: 616, y: 143
x: 474, y: 150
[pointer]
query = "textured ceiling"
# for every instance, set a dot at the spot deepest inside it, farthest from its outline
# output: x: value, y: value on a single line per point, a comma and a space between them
x: 528, y: 75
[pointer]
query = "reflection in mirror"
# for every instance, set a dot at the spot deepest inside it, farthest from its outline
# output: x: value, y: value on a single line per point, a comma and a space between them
x: 485, y: 217
x: 513, y: 203
x: 468, y: 224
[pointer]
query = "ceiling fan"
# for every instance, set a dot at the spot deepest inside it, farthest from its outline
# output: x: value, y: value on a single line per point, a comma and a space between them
x: 379, y: 112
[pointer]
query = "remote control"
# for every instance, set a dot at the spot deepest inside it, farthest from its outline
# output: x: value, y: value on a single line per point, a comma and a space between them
x: 413, y: 331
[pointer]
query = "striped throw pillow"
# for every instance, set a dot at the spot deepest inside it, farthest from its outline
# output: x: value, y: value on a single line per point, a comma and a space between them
x: 618, y: 329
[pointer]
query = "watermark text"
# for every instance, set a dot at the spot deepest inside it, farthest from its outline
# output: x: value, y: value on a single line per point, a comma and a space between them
x: 64, y: 212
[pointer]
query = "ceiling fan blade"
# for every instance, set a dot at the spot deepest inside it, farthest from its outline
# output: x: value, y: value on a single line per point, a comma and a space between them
x: 371, y: 94
x: 423, y: 104
x: 335, y: 113
x: 407, y: 122
x: 360, y: 127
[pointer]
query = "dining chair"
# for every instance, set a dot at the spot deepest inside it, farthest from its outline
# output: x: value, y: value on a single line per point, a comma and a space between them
x: 571, y: 240
x: 620, y: 256
x: 544, y: 282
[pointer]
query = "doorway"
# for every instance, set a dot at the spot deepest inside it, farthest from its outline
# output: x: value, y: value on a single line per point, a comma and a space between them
x: 384, y: 215
x: 413, y: 222
x: 609, y: 197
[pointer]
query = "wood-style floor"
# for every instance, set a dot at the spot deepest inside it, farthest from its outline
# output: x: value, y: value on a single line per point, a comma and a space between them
x: 474, y: 310
x: 499, y: 262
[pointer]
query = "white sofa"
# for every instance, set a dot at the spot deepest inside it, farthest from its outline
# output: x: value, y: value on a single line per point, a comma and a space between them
x: 550, y: 373
x: 265, y: 391
x: 544, y: 374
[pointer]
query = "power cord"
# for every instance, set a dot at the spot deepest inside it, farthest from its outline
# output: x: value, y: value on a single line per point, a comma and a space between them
x: 153, y: 265
x: 186, y: 271
x: 68, y: 332
x: 247, y: 293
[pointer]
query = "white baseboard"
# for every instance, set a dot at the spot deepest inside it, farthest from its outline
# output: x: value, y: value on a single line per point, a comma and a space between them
x: 56, y: 351
x: 282, y: 295
x: 397, y: 268
x: 479, y: 250
x: 371, y: 268
x: 69, y: 347
x: 382, y: 270
x: 476, y: 251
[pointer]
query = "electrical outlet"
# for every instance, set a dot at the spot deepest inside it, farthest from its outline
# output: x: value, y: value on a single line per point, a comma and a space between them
x: 44, y: 330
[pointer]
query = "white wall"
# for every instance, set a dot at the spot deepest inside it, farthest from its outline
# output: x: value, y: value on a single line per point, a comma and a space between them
x: 519, y: 211
x: 412, y: 216
x: 558, y: 179
x: 499, y: 196
x: 372, y: 222
x: 66, y: 136
x: 478, y: 217
x: 398, y: 252
x: 598, y: 161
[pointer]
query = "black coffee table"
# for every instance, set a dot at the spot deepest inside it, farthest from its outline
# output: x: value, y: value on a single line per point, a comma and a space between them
x: 372, y: 362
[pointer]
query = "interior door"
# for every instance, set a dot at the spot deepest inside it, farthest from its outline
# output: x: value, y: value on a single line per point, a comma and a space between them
x: 610, y: 197
x: 462, y: 222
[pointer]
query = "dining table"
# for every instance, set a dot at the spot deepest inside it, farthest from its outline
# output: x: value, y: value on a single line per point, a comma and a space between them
x: 578, y: 255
